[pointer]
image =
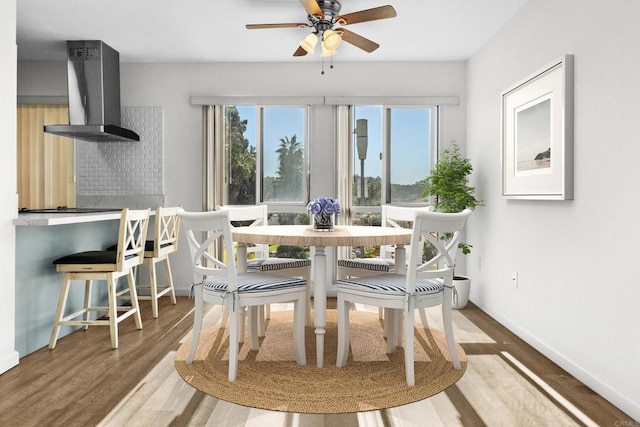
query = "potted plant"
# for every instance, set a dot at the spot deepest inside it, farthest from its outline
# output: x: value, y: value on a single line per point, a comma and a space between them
x: 448, y: 182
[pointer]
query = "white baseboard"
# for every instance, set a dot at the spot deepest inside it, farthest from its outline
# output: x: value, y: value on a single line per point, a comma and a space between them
x: 8, y: 361
x: 622, y: 402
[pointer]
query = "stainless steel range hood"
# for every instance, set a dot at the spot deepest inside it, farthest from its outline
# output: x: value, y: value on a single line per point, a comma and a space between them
x: 93, y: 79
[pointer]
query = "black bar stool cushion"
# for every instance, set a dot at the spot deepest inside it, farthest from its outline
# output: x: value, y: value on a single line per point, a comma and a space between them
x: 88, y: 257
x: 148, y: 246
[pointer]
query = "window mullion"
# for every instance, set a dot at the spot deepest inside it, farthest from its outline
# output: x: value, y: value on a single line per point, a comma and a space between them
x: 259, y: 153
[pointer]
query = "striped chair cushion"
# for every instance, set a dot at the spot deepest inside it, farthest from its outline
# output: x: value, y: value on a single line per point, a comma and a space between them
x: 272, y: 264
x: 250, y: 282
x: 392, y: 284
x: 373, y: 264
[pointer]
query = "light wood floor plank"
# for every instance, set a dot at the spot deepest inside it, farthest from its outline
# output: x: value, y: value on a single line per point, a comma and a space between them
x: 485, y: 400
x: 500, y: 389
x: 447, y: 411
x: 228, y: 414
x: 370, y: 419
x: 200, y: 415
x: 153, y: 385
x: 262, y: 418
x: 416, y: 414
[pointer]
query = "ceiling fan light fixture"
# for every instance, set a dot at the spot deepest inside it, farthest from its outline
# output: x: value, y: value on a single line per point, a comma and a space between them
x: 331, y: 39
x: 309, y: 42
x: 327, y: 52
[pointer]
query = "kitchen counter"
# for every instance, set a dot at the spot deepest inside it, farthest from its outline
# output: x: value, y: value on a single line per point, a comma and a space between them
x: 45, y: 219
x: 40, y: 239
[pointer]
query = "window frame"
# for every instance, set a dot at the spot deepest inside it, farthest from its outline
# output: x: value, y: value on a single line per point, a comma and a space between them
x: 385, y: 193
x: 282, y: 206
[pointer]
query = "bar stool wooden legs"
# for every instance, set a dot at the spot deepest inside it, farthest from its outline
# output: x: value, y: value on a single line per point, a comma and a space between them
x: 107, y: 266
x: 164, y: 243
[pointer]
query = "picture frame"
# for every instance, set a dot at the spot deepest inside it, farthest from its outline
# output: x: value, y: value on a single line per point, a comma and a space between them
x: 537, y: 134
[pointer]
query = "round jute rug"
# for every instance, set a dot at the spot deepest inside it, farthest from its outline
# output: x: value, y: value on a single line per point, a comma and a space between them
x: 270, y: 378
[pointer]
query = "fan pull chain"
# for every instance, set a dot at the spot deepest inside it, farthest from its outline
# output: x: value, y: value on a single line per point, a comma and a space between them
x: 322, y: 62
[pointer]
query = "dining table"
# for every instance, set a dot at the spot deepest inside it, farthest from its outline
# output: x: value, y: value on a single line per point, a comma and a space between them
x: 305, y: 235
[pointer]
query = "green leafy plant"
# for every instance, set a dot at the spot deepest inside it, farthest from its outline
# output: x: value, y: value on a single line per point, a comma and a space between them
x: 448, y: 182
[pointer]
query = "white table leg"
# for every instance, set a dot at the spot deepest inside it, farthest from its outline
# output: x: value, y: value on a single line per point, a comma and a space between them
x: 401, y: 268
x: 242, y: 258
x: 320, y: 300
x: 241, y: 266
x: 401, y: 259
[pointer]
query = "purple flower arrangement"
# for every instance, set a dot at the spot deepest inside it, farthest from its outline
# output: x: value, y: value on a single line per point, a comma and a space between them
x: 322, y: 210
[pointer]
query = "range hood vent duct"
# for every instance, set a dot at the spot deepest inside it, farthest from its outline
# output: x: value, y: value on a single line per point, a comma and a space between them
x: 93, y: 82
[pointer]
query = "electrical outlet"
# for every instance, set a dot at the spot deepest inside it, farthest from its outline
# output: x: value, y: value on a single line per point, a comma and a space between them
x: 514, y: 279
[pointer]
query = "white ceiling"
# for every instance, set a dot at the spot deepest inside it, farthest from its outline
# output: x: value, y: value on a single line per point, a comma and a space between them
x: 213, y: 30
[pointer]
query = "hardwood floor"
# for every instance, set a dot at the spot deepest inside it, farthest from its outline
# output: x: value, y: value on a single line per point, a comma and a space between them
x: 84, y: 382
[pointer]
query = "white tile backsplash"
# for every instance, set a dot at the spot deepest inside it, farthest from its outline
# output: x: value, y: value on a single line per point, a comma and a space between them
x: 124, y: 168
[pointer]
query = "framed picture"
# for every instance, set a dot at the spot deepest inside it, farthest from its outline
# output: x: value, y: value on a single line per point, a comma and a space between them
x: 537, y: 135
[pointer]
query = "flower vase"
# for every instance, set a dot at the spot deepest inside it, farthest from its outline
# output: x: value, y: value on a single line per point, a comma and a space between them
x: 323, y: 222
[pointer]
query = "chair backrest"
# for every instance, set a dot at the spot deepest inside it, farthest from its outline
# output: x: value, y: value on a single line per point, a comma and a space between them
x: 166, y: 231
x: 399, y: 217
x: 209, y: 238
x: 442, y: 230
x: 251, y: 216
x: 132, y: 238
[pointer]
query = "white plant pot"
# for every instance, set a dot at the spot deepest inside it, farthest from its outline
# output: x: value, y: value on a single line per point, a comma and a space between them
x: 462, y: 285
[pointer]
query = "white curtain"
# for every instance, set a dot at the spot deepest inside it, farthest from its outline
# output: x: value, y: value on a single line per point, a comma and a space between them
x: 345, y: 173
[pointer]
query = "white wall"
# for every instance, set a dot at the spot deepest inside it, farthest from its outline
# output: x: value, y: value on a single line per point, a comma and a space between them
x: 8, y: 196
x: 576, y: 302
x: 169, y: 86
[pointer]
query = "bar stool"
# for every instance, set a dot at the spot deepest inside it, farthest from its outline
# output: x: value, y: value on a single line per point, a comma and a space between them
x: 105, y: 266
x: 164, y: 243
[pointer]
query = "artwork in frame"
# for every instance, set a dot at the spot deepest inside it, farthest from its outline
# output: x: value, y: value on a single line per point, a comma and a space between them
x: 537, y: 135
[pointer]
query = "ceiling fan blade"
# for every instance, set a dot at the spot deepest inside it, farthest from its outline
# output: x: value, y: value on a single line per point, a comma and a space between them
x: 312, y: 8
x: 382, y: 12
x: 284, y: 25
x: 357, y: 40
x: 300, y: 52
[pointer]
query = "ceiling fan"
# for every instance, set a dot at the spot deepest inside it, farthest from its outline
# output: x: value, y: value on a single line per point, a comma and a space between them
x: 323, y: 16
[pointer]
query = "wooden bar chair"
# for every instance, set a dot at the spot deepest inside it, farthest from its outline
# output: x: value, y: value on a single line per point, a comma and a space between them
x: 164, y: 243
x: 105, y: 266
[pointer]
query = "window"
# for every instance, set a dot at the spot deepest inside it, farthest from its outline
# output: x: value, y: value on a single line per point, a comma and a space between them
x: 409, y: 153
x: 283, y: 159
x: 259, y: 154
x: 265, y: 152
x: 393, y: 150
x: 240, y: 155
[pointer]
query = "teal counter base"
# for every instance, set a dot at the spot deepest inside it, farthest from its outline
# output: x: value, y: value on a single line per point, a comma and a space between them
x: 37, y: 282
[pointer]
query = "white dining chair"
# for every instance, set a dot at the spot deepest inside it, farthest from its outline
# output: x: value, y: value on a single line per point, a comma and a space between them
x: 259, y: 258
x: 216, y: 281
x: 392, y: 216
x: 422, y: 286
